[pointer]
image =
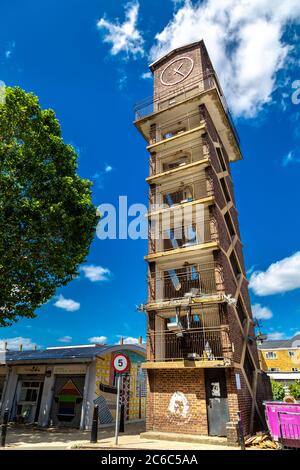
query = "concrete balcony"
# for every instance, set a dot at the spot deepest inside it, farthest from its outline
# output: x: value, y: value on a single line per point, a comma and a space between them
x: 181, y: 127
x: 176, y: 157
x: 196, y: 283
x: 193, y: 347
x: 183, y: 238
x: 173, y: 196
x: 164, y: 101
x: 176, y: 115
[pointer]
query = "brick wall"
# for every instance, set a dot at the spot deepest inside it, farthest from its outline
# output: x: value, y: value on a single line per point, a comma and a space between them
x: 194, y: 53
x: 239, y: 253
x: 162, y: 385
x: 229, y: 281
x: 243, y: 401
x: 234, y: 217
x: 217, y: 191
x: 224, y: 238
x: 264, y: 391
x: 236, y: 335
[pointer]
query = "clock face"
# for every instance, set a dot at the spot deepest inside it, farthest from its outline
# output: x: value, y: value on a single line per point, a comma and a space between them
x: 176, y: 71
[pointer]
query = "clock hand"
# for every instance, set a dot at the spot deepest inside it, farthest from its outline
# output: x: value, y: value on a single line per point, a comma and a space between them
x: 178, y: 71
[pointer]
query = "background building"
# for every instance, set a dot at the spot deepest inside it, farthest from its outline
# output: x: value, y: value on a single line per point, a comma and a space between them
x: 202, y: 357
x: 59, y: 386
x: 281, y: 359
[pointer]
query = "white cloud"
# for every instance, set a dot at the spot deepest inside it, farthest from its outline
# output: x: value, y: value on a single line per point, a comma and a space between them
x: 108, y: 168
x: 244, y: 40
x: 130, y: 340
x: 122, y: 80
x: 276, y: 335
x: 250, y: 270
x: 98, y: 339
x: 65, y: 339
x: 96, y: 273
x: 14, y: 343
x: 67, y: 304
x: 10, y: 50
x: 282, y: 276
x: 124, y: 37
x: 146, y: 75
x: 261, y: 313
x: 291, y: 157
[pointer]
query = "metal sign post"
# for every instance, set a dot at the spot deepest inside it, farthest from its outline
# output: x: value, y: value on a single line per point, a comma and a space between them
x: 120, y: 364
x: 117, y: 410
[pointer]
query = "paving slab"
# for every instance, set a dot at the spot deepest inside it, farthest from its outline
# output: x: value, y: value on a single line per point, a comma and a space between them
x: 32, y: 438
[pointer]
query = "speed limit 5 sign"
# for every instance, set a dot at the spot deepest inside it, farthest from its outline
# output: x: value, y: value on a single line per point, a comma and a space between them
x: 120, y: 363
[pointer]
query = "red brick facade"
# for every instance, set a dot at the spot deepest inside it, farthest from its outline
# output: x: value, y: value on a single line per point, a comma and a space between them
x: 162, y: 385
x: 246, y: 386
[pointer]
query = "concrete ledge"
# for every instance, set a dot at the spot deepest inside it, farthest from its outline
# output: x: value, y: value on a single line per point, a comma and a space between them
x: 197, y: 439
x: 184, y: 364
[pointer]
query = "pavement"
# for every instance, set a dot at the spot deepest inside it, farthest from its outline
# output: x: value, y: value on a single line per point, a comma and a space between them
x: 22, y: 437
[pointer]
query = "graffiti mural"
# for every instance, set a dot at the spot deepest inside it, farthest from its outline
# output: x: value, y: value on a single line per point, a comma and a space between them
x: 133, y: 390
x: 179, y: 408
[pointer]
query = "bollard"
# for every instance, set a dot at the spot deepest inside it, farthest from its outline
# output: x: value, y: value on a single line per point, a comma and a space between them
x: 240, y: 431
x: 94, y: 431
x: 4, y: 427
x: 122, y: 418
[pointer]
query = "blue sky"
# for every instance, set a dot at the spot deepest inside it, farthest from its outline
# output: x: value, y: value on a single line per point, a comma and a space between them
x: 88, y: 61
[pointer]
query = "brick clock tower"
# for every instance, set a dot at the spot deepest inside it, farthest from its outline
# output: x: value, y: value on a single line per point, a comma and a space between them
x: 202, y: 360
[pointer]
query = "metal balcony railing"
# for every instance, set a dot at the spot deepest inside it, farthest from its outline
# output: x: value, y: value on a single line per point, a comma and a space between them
x: 193, y: 190
x: 177, y: 157
x: 175, y: 127
x: 191, y: 87
x: 186, y: 282
x: 196, y: 344
x: 197, y: 84
x: 182, y: 236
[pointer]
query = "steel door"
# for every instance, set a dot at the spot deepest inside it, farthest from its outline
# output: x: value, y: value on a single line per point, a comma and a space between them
x: 216, y: 400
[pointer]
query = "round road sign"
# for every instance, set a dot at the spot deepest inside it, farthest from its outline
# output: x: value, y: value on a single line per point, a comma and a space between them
x: 121, y: 363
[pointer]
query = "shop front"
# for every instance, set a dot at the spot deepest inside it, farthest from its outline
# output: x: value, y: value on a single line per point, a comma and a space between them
x: 29, y: 391
x: 60, y: 386
x: 68, y: 395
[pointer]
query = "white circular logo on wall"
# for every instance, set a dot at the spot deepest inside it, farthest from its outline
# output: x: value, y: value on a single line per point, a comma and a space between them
x: 120, y: 363
x: 177, y: 71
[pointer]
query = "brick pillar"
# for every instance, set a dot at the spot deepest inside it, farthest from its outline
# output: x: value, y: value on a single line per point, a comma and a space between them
x: 232, y: 434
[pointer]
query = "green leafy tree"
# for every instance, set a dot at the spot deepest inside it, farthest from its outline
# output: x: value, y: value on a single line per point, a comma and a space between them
x: 277, y: 390
x: 47, y: 219
x: 294, y: 389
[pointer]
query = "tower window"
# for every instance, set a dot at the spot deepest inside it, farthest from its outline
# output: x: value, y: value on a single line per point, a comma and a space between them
x: 225, y: 190
x: 229, y: 224
x: 241, y: 312
x: 249, y: 367
x: 235, y: 265
x: 221, y: 159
